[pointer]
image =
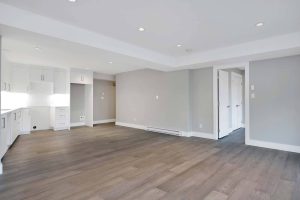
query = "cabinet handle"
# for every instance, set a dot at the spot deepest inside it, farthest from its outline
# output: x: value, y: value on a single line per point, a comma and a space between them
x: 9, y: 87
x: 82, y: 78
x: 4, y: 85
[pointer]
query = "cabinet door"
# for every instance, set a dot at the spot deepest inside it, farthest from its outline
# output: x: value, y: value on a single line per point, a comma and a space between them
x: 76, y: 76
x: 60, y: 82
x: 20, y: 79
x: 6, y: 77
x: 3, y: 136
x: 47, y: 75
x: 87, y: 77
x: 36, y: 75
x: 81, y: 76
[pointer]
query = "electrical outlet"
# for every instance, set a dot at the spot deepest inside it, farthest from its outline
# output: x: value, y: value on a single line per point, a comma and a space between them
x: 134, y: 119
x: 253, y: 96
x: 156, y: 97
x: 82, y: 118
x: 200, y: 125
x: 102, y: 98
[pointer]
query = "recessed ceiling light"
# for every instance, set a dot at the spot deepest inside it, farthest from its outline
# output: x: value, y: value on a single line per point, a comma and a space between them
x: 259, y: 24
x: 179, y: 45
x: 37, y: 48
x: 141, y: 29
x: 110, y: 62
x: 72, y: 1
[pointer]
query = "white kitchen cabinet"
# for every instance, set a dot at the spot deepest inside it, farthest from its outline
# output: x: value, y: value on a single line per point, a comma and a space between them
x: 60, y: 118
x: 60, y: 81
x: 41, y: 75
x: 81, y: 76
x: 6, y: 77
x: 3, y: 135
x: 15, y: 125
x: 20, y: 79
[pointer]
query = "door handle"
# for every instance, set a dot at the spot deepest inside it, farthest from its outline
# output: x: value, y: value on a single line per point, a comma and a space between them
x: 237, y: 105
x: 228, y: 106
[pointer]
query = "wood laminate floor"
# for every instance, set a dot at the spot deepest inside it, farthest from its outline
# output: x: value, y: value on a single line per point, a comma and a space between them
x: 109, y: 162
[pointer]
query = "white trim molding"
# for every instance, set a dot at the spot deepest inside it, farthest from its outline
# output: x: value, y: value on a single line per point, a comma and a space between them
x: 104, y: 121
x: 203, y: 135
x: 137, y: 126
x: 272, y: 145
x: 76, y: 124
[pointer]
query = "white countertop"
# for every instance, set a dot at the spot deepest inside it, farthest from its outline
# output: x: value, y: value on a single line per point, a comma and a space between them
x: 5, y: 111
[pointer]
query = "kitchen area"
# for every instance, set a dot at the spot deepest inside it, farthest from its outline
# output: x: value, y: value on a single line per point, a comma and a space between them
x: 36, y: 98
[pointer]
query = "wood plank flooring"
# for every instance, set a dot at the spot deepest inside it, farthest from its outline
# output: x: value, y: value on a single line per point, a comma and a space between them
x: 108, y: 162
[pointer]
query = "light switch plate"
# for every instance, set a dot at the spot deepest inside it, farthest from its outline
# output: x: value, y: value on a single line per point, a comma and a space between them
x: 253, y: 96
x: 252, y: 87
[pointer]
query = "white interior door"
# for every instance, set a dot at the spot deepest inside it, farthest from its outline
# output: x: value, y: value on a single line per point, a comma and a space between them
x: 237, y: 99
x: 224, y: 104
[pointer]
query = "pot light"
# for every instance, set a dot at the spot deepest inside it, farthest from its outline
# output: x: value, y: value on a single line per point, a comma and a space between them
x: 110, y: 62
x: 141, y: 29
x: 179, y: 45
x: 73, y: 1
x: 259, y: 24
x: 37, y: 48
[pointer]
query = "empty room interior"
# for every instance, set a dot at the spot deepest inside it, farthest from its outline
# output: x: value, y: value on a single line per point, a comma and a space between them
x: 150, y: 100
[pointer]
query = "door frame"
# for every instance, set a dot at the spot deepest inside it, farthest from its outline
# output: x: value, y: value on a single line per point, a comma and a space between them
x: 215, y: 98
x: 232, y: 106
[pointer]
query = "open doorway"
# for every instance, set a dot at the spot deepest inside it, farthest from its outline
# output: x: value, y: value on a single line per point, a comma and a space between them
x: 231, y: 101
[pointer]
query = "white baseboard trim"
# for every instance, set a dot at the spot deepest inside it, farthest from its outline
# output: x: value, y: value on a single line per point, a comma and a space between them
x: 104, y: 121
x: 61, y: 128
x: 76, y: 124
x: 203, y: 135
x: 25, y: 132
x: 271, y: 145
x: 131, y: 125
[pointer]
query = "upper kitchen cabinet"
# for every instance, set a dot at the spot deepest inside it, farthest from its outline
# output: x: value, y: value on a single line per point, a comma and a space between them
x: 60, y: 81
x: 6, y: 76
x: 81, y: 76
x: 41, y: 75
x: 20, y: 79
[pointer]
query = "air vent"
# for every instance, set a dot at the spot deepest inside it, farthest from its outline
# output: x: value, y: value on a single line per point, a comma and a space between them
x: 166, y: 131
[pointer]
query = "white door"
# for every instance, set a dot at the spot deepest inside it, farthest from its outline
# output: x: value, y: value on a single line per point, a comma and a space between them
x: 236, y: 98
x: 224, y: 104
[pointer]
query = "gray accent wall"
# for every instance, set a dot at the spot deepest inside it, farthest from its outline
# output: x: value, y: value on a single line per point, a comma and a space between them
x: 104, y: 100
x: 137, y: 104
x: 275, y: 110
x: 77, y: 102
x: 201, y: 100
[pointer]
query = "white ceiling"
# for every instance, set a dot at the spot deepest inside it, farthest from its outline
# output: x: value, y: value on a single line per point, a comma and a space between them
x: 207, y: 30
x: 20, y: 47
x: 198, y: 25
